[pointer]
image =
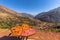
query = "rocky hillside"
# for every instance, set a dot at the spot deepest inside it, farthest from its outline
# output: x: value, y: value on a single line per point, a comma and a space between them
x: 50, y: 16
x: 9, y: 18
x: 50, y: 19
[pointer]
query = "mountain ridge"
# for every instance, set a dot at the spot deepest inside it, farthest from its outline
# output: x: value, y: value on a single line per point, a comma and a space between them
x: 50, y: 16
x: 11, y: 18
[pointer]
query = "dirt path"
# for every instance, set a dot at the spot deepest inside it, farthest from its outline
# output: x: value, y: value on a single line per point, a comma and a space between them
x: 45, y: 35
x: 4, y: 32
x: 40, y: 35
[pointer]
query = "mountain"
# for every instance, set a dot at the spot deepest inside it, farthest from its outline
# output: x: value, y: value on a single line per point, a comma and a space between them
x: 31, y: 17
x: 51, y: 19
x: 50, y: 16
x: 27, y: 15
x: 9, y: 18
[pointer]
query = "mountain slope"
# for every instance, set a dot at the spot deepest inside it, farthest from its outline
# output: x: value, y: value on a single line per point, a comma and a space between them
x: 51, y: 19
x: 50, y: 16
x: 9, y: 18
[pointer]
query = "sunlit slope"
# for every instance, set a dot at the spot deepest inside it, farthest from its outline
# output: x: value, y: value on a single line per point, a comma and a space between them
x: 9, y: 18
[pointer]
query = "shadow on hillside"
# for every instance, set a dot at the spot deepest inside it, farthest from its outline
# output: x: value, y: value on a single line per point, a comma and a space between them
x: 9, y: 38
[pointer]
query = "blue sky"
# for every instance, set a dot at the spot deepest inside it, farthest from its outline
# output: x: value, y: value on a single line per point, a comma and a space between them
x: 32, y: 7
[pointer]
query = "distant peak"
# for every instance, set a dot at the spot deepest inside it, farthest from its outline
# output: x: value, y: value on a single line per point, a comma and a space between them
x: 5, y: 9
x: 58, y: 8
x: 1, y: 6
x: 55, y: 9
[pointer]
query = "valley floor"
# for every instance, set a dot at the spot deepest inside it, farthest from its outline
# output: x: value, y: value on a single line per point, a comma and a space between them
x: 4, y: 32
x: 45, y: 35
x: 40, y: 35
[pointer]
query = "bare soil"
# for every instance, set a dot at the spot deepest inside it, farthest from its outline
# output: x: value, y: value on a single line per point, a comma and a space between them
x: 39, y: 35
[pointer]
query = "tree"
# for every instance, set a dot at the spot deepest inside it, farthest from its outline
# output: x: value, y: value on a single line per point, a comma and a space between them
x: 22, y: 31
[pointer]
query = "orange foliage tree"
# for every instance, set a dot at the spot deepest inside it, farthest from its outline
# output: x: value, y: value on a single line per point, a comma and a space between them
x: 22, y: 31
x: 16, y: 31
